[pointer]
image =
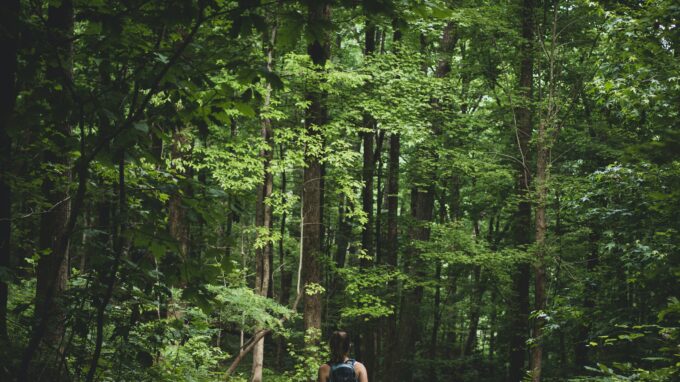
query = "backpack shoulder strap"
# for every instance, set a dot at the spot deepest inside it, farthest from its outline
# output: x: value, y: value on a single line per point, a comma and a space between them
x: 352, y: 361
x: 330, y: 372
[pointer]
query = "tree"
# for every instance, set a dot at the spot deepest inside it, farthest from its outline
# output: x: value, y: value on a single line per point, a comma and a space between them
x: 9, y: 45
x: 264, y: 212
x: 519, y: 311
x: 319, y: 14
x: 52, y: 272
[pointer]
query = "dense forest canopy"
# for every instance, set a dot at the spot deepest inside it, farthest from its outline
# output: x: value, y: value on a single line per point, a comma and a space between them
x: 204, y: 190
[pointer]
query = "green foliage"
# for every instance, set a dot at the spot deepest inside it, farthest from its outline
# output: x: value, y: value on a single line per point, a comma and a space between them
x: 247, y: 309
x: 151, y: 128
x: 308, y: 359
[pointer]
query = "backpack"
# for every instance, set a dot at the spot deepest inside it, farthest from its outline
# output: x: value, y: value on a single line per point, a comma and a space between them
x: 343, y: 372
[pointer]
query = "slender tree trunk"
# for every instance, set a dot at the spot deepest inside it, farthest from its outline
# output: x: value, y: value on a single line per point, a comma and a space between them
x: 178, y: 223
x: 368, y: 169
x: 519, y: 311
x: 581, y: 356
x: 475, y: 309
x: 9, y: 37
x: 343, y: 233
x: 380, y: 194
x: 110, y: 281
x: 52, y: 266
x: 392, y: 256
x: 542, y: 172
x: 492, y: 329
x: 546, y: 134
x: 264, y: 212
x: 422, y: 204
x: 367, y: 329
x: 317, y: 115
x: 454, y: 198
x: 286, y: 274
x: 436, y: 318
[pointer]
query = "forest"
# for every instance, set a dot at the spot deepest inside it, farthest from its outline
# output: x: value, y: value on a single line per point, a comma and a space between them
x: 204, y: 190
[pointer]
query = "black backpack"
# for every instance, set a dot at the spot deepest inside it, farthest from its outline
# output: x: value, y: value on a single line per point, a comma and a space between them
x: 343, y: 372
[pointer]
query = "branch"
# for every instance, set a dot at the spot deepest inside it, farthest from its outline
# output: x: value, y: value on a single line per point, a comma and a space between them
x: 136, y: 112
x: 250, y: 344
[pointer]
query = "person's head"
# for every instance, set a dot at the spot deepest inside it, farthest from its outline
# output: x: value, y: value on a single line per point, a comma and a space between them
x: 339, y: 344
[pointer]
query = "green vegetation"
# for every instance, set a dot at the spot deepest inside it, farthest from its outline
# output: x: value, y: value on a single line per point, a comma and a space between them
x: 203, y: 190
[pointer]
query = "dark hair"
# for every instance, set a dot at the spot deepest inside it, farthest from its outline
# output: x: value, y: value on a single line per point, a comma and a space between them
x: 339, y: 344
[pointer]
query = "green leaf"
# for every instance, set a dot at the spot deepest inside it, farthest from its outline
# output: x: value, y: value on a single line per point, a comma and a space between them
x: 141, y: 126
x: 244, y: 109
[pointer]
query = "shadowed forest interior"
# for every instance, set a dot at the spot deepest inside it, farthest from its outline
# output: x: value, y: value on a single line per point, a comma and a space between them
x: 204, y: 190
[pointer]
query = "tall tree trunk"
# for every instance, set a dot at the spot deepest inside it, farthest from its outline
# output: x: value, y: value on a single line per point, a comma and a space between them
x: 546, y: 133
x: 264, y: 212
x: 422, y: 204
x: 519, y: 309
x: 380, y: 195
x: 110, y: 280
x: 436, y: 318
x: 542, y: 173
x: 52, y: 267
x: 9, y: 37
x: 391, y: 257
x: 478, y: 288
x: 343, y: 233
x: 581, y: 356
x: 492, y: 328
x: 286, y: 274
x: 367, y: 329
x: 368, y: 168
x: 317, y: 115
x: 475, y: 308
x: 178, y: 223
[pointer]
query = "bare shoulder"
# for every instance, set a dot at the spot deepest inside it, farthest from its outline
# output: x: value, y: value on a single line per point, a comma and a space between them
x: 360, y: 371
x: 324, y: 371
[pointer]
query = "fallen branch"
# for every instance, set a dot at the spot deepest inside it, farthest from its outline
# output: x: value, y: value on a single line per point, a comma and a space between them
x: 250, y: 344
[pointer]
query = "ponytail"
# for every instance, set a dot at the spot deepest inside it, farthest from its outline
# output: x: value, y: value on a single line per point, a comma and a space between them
x: 339, y: 344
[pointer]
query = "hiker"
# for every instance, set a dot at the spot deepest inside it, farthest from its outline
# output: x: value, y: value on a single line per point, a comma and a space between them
x: 341, y: 368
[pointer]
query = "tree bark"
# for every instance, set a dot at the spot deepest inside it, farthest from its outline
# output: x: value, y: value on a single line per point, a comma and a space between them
x: 368, y: 167
x: 422, y: 204
x: 9, y: 37
x: 317, y: 115
x: 542, y: 173
x: 581, y: 356
x: 52, y: 266
x: 475, y: 308
x: 391, y: 256
x: 367, y: 329
x: 264, y: 212
x: 436, y: 318
x: 519, y: 311
x: 178, y: 224
x: 343, y: 234
x: 546, y: 133
x: 380, y: 195
x: 119, y: 249
x: 286, y: 274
